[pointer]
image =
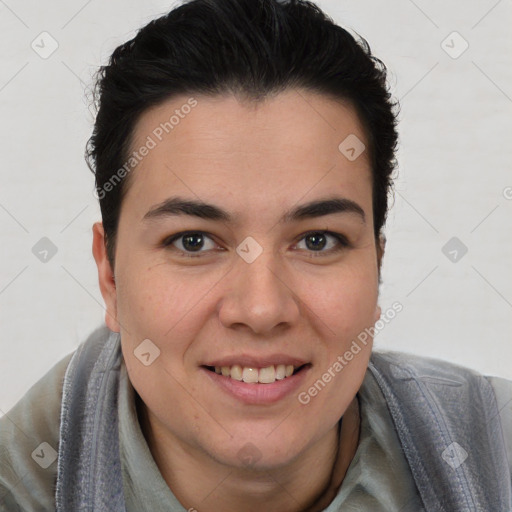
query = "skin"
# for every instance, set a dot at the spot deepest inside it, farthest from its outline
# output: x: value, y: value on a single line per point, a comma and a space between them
x: 256, y: 161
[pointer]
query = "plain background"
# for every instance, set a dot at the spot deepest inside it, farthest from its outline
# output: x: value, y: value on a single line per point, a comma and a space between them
x: 454, y: 176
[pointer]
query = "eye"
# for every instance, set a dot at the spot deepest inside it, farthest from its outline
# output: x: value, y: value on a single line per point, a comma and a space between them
x: 316, y: 241
x: 190, y: 242
x: 193, y: 244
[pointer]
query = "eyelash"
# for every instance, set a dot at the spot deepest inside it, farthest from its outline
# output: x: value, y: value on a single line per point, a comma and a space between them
x: 342, y: 241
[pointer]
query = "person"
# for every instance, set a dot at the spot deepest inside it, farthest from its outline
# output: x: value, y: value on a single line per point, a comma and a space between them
x: 243, y: 153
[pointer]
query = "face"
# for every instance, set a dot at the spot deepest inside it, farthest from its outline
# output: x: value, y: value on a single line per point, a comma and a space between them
x: 256, y: 280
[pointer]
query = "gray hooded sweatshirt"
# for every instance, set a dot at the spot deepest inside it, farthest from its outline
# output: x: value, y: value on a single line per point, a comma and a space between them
x: 448, y: 422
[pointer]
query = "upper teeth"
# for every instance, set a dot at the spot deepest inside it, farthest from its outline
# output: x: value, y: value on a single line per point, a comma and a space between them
x: 263, y: 375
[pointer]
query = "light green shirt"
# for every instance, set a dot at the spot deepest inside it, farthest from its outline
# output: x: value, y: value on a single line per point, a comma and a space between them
x: 377, y: 480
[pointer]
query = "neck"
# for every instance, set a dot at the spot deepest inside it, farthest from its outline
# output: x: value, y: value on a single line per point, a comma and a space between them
x: 309, y: 483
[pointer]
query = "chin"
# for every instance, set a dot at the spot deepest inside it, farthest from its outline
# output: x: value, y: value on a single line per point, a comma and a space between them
x: 263, y: 452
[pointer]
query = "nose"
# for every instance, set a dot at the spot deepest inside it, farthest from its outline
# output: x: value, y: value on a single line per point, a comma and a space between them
x: 258, y: 297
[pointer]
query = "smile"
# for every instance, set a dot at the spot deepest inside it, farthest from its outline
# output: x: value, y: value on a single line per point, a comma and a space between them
x: 249, y: 375
x: 264, y: 386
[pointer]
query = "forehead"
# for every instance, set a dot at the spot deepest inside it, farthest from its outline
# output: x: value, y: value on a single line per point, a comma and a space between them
x: 253, y: 153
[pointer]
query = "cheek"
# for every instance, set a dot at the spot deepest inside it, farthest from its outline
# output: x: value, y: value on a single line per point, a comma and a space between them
x: 344, y: 299
x: 347, y: 302
x: 161, y: 388
x: 159, y: 301
x: 343, y: 310
x: 151, y: 308
x: 163, y: 308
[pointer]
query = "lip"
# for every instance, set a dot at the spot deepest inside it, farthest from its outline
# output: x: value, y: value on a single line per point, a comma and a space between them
x: 255, y: 393
x: 257, y: 362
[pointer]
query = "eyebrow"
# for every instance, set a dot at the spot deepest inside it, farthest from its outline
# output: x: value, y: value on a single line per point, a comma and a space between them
x: 175, y: 206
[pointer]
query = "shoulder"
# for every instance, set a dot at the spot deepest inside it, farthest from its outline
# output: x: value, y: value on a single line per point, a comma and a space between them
x: 421, y: 364
x: 29, y: 443
x: 453, y: 382
x: 404, y: 366
x: 503, y: 391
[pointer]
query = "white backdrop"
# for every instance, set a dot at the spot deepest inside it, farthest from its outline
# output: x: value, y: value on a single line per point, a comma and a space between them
x: 455, y: 176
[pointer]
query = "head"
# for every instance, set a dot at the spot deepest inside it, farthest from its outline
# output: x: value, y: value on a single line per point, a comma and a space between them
x: 243, y: 153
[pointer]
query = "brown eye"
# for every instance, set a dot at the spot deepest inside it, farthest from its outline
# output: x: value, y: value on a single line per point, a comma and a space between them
x: 190, y: 242
x: 317, y: 241
x: 193, y: 242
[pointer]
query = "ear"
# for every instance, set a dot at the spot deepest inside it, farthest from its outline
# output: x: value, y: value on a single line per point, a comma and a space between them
x: 381, y: 247
x: 105, y: 276
x: 377, y: 314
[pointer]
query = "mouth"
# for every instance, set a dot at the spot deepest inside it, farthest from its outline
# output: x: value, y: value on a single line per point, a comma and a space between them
x: 253, y: 375
x: 258, y: 386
